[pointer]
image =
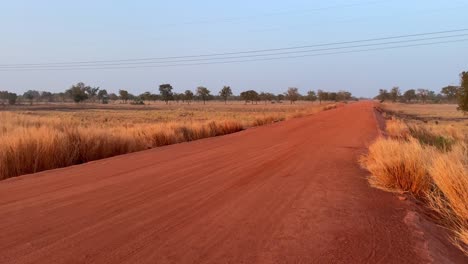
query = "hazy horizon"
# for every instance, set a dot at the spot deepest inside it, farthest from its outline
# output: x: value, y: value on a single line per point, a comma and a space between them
x: 57, y: 31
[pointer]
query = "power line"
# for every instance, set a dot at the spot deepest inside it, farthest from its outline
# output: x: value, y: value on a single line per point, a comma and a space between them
x: 240, y: 61
x: 235, y: 57
x: 73, y: 63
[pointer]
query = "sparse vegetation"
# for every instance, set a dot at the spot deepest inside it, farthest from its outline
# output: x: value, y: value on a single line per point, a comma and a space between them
x: 37, y: 140
x: 427, y: 158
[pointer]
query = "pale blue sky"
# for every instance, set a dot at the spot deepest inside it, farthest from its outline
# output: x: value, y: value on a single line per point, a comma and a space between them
x: 59, y: 31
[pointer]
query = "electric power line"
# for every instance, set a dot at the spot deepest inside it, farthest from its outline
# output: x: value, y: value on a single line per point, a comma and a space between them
x: 239, y: 61
x: 74, y: 63
x: 234, y: 57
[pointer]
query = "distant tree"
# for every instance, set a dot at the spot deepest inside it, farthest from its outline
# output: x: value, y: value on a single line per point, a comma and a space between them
x: 332, y: 96
x: 113, y: 97
x: 225, y: 93
x: 423, y: 94
x: 203, y: 93
x: 31, y: 95
x: 280, y: 98
x: 249, y: 96
x: 409, y: 95
x: 343, y: 96
x: 311, y: 96
x: 383, y: 95
x: 78, y: 92
x: 178, y: 97
x: 146, y: 96
x: 165, y: 90
x: 395, y: 93
x: 292, y: 94
x: 266, y: 97
x: 463, y: 93
x: 124, y: 95
x: 188, y: 96
x: 11, y: 97
x: 46, y: 96
x: 450, y: 92
x: 322, y: 96
x: 103, y: 96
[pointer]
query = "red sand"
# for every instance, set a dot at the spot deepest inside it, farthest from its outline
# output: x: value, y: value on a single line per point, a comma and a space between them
x: 291, y: 192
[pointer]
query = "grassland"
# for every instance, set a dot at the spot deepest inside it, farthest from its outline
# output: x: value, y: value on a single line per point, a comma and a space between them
x: 425, y: 154
x: 48, y: 136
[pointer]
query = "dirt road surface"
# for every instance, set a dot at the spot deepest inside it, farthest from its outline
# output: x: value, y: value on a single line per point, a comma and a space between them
x: 291, y: 192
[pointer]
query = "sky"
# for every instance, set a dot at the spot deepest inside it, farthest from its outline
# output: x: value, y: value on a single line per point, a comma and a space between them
x: 69, y: 31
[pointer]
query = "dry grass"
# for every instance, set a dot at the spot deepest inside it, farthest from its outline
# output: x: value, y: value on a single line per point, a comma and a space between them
x: 35, y: 139
x: 429, y: 161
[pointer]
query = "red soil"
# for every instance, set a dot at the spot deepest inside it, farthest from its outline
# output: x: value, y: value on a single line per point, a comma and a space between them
x: 291, y: 192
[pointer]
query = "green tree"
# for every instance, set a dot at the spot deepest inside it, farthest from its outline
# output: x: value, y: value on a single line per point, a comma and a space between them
x: 124, y: 95
x: 423, y: 94
x: 322, y: 96
x: 12, y: 98
x: 78, y: 92
x: 395, y: 93
x: 450, y: 92
x: 165, y: 90
x: 188, y: 96
x: 311, y: 96
x: 383, y: 95
x: 409, y: 95
x: 292, y: 94
x: 225, y: 93
x: 463, y: 93
x: 203, y: 93
x: 343, y: 96
x: 31, y: 95
x: 249, y: 96
x: 103, y: 96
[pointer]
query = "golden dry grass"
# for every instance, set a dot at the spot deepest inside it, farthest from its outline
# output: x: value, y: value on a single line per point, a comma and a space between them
x: 54, y: 136
x: 429, y: 161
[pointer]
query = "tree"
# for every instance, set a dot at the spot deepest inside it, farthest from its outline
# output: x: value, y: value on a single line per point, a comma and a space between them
x: 166, y: 92
x: 463, y: 93
x: 31, y: 95
x: 343, y: 96
x: 203, y: 93
x: 280, y: 98
x: 46, y: 96
x: 267, y: 97
x: 113, y: 97
x: 423, y: 94
x: 322, y: 96
x: 383, y: 95
x: 311, y: 96
x: 188, y: 96
x: 103, y: 96
x: 395, y: 93
x: 124, y: 95
x: 249, y: 96
x: 409, y: 95
x: 225, y: 93
x: 78, y: 92
x: 292, y: 94
x: 332, y: 96
x: 11, y: 97
x: 450, y: 92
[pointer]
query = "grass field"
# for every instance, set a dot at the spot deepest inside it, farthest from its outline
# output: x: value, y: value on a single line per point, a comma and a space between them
x: 47, y: 136
x: 425, y: 154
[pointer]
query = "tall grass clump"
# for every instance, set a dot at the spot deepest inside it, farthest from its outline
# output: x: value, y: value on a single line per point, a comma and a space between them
x: 430, y: 166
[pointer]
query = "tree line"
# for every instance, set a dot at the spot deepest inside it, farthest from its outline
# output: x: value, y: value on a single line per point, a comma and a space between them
x: 81, y: 92
x: 447, y: 94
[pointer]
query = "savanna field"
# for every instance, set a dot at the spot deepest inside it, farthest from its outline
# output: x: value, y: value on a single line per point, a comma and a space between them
x: 425, y: 154
x: 47, y: 136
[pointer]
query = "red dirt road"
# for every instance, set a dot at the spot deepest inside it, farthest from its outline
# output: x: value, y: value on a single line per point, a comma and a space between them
x: 291, y: 192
